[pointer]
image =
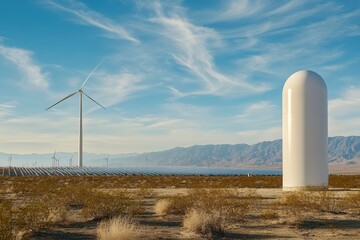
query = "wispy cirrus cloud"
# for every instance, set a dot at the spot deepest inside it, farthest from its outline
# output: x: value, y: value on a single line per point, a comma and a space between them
x: 264, y: 53
x: 115, y: 88
x: 84, y: 15
x: 6, y: 109
x: 256, y: 113
x: 349, y: 102
x: 33, y: 75
x: 235, y: 10
x: 193, y: 51
x: 344, y: 114
x: 256, y: 10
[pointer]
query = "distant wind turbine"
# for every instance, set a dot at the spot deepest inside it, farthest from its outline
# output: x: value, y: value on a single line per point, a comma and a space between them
x: 54, y: 159
x: 70, y: 161
x: 58, y: 162
x: 81, y: 93
x: 107, y: 160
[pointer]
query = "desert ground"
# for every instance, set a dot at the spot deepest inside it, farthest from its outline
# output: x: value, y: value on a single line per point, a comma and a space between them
x: 176, y: 207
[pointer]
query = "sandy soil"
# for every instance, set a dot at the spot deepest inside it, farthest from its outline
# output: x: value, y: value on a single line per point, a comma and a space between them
x: 322, y: 225
x: 344, y: 168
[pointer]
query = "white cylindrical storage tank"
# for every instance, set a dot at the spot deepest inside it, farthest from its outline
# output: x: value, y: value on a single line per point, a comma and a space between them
x: 305, y: 131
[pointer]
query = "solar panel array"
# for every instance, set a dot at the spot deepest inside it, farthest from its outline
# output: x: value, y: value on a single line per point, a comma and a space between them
x: 63, y: 171
x: 95, y: 171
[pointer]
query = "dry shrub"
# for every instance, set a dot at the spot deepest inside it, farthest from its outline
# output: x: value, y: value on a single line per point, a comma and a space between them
x: 233, y: 205
x: 118, y: 228
x: 245, y: 201
x: 34, y: 217
x: 352, y: 202
x: 163, y: 206
x: 103, y: 205
x: 36, y: 214
x: 74, y: 197
x: 326, y: 201
x: 6, y: 229
x: 173, y: 205
x: 204, y: 223
x: 296, y: 202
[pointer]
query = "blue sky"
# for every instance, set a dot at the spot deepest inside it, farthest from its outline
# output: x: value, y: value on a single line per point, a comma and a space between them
x: 175, y: 73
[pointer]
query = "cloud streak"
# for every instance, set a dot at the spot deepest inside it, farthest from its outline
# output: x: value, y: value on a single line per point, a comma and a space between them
x: 115, y: 88
x: 301, y: 46
x: 84, y: 15
x: 6, y: 109
x: 344, y: 114
x: 192, y: 51
x: 33, y: 76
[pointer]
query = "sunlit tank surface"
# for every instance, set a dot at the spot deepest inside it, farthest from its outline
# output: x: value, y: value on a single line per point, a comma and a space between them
x: 305, y: 132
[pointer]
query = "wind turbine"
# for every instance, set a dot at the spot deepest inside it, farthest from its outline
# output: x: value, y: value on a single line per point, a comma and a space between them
x: 70, y: 161
x: 10, y: 158
x: 81, y: 93
x: 58, y: 162
x: 107, y: 160
x: 54, y: 160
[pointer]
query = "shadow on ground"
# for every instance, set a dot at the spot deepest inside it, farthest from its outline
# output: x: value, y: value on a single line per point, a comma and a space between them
x: 230, y: 235
x: 62, y: 235
x: 328, y: 224
x: 162, y: 223
x: 68, y: 232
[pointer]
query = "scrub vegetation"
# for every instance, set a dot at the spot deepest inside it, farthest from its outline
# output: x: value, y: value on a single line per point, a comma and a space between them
x: 206, y: 206
x: 204, y: 222
x: 233, y: 204
x: 118, y: 228
x: 30, y: 205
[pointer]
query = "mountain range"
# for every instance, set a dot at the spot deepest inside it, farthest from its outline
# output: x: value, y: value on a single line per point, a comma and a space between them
x: 268, y: 154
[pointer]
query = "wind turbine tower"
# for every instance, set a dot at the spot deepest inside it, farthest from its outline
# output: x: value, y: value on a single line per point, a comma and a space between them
x: 10, y: 158
x: 107, y: 160
x: 54, y: 160
x: 81, y: 93
x: 70, y: 161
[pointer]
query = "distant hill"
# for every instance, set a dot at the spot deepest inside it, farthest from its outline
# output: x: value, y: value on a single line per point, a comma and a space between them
x: 342, y: 151
x: 260, y: 155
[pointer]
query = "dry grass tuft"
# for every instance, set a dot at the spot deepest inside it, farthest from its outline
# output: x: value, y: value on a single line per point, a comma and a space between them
x: 118, y: 228
x: 177, y: 204
x: 204, y: 223
x: 163, y: 206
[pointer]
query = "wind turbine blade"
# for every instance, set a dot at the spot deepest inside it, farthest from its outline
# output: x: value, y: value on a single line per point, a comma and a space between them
x: 62, y: 100
x: 94, y: 100
x: 87, y: 78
